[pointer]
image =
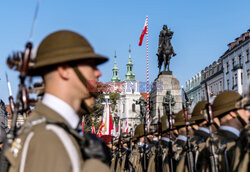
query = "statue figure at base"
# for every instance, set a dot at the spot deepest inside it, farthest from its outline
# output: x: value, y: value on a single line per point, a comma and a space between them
x: 165, y: 49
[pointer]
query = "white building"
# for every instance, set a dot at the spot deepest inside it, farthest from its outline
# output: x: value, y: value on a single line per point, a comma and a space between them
x: 230, y: 72
x: 236, y: 64
x: 212, y: 76
x: 193, y: 88
x: 130, y: 92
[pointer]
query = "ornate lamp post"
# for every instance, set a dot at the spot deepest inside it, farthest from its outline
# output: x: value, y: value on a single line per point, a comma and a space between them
x: 116, y: 119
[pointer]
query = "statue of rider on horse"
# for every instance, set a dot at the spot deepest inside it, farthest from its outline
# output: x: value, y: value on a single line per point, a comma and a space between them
x: 165, y: 49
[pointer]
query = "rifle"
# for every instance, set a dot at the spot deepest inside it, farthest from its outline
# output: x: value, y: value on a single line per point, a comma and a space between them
x: 143, y: 112
x: 127, y: 167
x: 190, y: 159
x: 22, y: 104
x: 11, y: 100
x: 158, y: 157
x: 212, y: 155
x: 170, y: 148
x: 119, y: 152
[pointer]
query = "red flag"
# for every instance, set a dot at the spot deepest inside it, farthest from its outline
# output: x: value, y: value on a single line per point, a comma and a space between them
x: 93, y: 129
x: 144, y: 31
x: 110, y: 127
x: 82, y: 124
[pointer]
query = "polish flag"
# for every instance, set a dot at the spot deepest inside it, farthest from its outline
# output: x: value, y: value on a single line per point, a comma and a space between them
x: 93, y: 129
x: 82, y: 124
x: 118, y: 129
x: 144, y: 31
x: 106, y: 123
x: 125, y: 127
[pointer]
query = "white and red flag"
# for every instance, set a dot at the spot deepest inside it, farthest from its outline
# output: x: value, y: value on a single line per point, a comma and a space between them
x: 93, y: 129
x: 106, y: 123
x: 125, y: 127
x: 82, y: 124
x: 144, y: 31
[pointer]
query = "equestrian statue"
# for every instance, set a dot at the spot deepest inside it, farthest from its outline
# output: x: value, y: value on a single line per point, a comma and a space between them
x: 165, y: 49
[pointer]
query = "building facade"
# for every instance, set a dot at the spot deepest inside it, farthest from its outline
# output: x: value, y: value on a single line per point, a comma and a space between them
x: 236, y: 64
x: 128, y: 110
x: 193, y: 89
x: 230, y: 72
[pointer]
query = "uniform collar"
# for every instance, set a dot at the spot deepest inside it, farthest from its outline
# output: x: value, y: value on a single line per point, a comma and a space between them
x: 204, y: 130
x: 165, y: 139
x: 141, y: 144
x: 231, y: 129
x: 62, y: 108
x: 183, y: 138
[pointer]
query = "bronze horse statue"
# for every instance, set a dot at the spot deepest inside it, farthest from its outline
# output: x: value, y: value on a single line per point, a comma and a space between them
x: 165, y: 50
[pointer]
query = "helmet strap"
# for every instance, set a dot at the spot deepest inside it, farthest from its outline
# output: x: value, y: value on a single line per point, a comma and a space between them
x: 243, y: 123
x: 84, y: 108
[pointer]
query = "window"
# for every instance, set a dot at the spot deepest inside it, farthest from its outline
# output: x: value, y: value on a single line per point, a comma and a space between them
x: 227, y: 67
x: 228, y: 84
x: 236, y: 79
x: 240, y: 60
x: 233, y: 63
x: 247, y: 55
x: 123, y: 109
x: 133, y: 107
x: 248, y: 74
x: 220, y: 86
x: 241, y: 77
x: 232, y: 81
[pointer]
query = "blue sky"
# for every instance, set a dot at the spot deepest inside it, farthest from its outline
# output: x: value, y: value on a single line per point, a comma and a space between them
x: 202, y: 30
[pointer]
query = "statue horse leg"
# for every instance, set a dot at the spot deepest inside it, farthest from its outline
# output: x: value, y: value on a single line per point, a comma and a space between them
x: 159, y: 64
x: 165, y: 61
x: 168, y: 62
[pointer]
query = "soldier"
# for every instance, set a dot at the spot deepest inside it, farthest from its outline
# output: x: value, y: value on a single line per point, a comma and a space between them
x: 180, y: 146
x: 199, y: 117
x: 139, y: 150
x: 232, y: 120
x: 240, y: 152
x: 48, y: 141
x: 155, y: 159
x: 125, y: 153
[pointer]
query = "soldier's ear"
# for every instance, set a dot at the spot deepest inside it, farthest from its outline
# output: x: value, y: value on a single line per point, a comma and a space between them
x: 233, y: 114
x: 63, y: 71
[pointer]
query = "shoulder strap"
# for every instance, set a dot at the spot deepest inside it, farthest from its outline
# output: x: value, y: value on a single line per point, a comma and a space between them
x: 61, y: 134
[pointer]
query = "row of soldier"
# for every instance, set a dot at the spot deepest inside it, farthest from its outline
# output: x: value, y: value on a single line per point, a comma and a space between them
x: 199, y: 144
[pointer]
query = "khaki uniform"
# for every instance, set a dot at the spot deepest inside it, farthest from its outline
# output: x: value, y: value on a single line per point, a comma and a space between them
x: 198, y: 143
x: 240, y: 153
x: 151, y: 163
x: 223, y: 142
x: 44, y: 147
x: 135, y: 159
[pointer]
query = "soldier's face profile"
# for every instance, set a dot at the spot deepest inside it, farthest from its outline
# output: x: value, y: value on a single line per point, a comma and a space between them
x: 89, y: 70
x: 244, y: 114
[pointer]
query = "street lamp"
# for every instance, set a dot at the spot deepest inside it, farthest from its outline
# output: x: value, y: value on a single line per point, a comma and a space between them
x: 116, y: 118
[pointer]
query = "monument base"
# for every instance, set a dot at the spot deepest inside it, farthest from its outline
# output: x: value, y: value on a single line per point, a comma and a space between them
x: 163, y: 83
x: 165, y: 73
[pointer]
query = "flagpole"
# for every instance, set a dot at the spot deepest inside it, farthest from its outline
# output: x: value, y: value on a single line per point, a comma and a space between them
x: 147, y: 78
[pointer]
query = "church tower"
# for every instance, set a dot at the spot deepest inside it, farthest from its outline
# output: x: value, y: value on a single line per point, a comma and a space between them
x: 130, y: 75
x: 115, y: 70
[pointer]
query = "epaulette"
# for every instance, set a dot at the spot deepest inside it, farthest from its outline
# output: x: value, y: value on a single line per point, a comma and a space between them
x: 27, y: 125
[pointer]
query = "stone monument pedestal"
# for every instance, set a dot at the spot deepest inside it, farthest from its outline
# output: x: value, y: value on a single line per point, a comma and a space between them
x: 163, y: 83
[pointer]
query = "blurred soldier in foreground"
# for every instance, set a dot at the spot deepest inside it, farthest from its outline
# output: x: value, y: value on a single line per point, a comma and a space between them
x: 48, y: 141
